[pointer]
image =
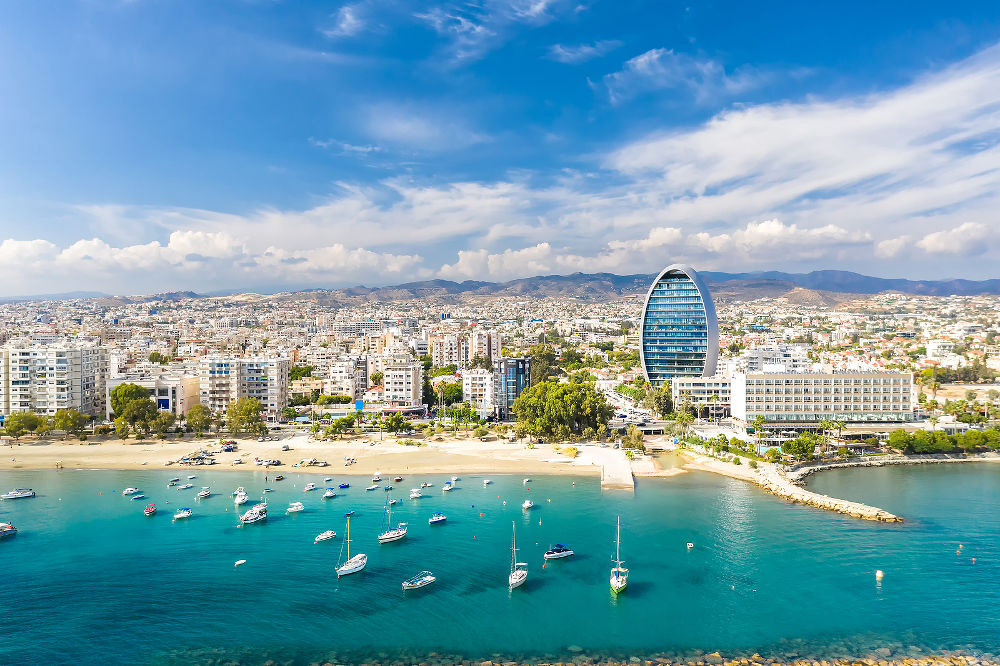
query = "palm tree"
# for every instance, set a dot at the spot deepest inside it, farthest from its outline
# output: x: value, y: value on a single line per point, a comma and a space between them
x: 684, y: 419
x: 712, y: 399
x: 840, y: 425
x: 758, y: 430
x: 933, y: 421
x: 824, y: 426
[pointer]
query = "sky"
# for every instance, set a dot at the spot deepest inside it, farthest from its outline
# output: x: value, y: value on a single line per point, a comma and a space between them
x: 158, y: 145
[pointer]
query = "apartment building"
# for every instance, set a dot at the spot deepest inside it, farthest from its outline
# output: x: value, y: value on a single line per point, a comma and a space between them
x: 347, y: 377
x: 44, y: 379
x: 485, y: 343
x: 713, y: 393
x: 402, y: 383
x: 511, y: 377
x: 479, y: 389
x: 225, y: 379
x: 807, y: 398
x: 450, y: 350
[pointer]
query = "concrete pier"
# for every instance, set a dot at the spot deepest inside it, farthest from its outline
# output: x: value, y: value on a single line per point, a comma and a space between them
x: 616, y: 471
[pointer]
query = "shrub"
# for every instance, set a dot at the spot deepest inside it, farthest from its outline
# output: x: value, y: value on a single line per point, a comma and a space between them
x: 570, y: 451
x: 736, y: 460
x: 753, y: 464
x: 480, y: 431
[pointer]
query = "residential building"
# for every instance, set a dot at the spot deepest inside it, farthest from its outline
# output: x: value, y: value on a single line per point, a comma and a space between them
x: 450, y: 350
x: 680, y: 333
x: 485, y: 343
x: 228, y: 379
x: 346, y: 377
x: 478, y: 389
x: 706, y: 394
x: 172, y: 391
x: 44, y: 379
x: 402, y: 381
x: 511, y: 377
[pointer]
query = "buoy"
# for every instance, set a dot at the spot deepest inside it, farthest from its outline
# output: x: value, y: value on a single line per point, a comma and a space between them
x: 878, y: 574
x: 549, y: 500
x: 690, y: 545
x: 505, y: 502
x: 958, y: 552
x: 480, y: 514
x: 973, y: 560
x: 239, y: 562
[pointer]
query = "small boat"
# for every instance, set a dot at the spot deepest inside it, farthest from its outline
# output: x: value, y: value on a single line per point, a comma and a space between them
x: 487, y: 482
x: 7, y: 530
x: 183, y: 513
x: 23, y: 493
x: 171, y: 484
x: 325, y: 536
x: 185, y: 486
x: 295, y: 507
x: 558, y: 551
x: 353, y: 564
x: 426, y: 485
x: 239, y: 490
x: 127, y: 491
x: 344, y: 485
x: 329, y: 493
x: 268, y: 490
x: 372, y: 487
x: 415, y: 493
x: 239, y: 562
x: 280, y: 477
x: 388, y: 488
x: 376, y: 478
x: 422, y: 579
x: 193, y: 476
x: 437, y: 518
x: 388, y: 532
x: 175, y: 479
x: 619, y: 574
x: 397, y: 479
x: 518, y: 570
x: 527, y: 504
x: 204, y: 492
x: 392, y: 501
x: 328, y: 479
x: 241, y: 498
x: 526, y: 481
x: 309, y: 486
x: 138, y: 496
x: 349, y: 513
x: 455, y: 478
x: 256, y: 513
x: 149, y: 510
x: 447, y: 486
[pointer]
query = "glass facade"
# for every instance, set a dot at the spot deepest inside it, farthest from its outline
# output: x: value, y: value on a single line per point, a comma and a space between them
x: 680, y: 334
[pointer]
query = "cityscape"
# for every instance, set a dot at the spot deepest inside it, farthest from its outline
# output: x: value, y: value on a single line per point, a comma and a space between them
x: 499, y: 333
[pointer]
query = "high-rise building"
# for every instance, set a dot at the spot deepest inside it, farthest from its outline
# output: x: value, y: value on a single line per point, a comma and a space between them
x: 680, y: 333
x: 226, y: 379
x: 402, y: 383
x: 478, y: 388
x: 512, y: 376
x: 46, y: 378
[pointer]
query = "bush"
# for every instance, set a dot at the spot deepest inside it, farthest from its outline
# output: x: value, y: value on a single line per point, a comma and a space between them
x: 82, y: 437
x: 570, y: 451
x: 736, y: 460
x: 753, y: 464
x: 480, y: 431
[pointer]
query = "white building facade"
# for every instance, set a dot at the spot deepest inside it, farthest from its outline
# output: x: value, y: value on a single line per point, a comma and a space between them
x: 44, y: 379
x: 228, y: 379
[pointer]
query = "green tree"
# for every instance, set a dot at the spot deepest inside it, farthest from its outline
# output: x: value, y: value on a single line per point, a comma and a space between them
x: 376, y: 378
x: 758, y: 431
x: 300, y: 371
x: 69, y: 420
x: 123, y: 394
x: 199, y: 417
x: 634, y: 439
x: 684, y: 420
x: 244, y: 417
x: 659, y: 400
x: 45, y: 425
x: 558, y: 410
x: 121, y: 427
x: 480, y: 362
x: 162, y: 423
x: 288, y: 413
x: 139, y: 414
x: 451, y: 393
x: 336, y: 399
x: 543, y: 363
x: 18, y: 423
x: 396, y: 422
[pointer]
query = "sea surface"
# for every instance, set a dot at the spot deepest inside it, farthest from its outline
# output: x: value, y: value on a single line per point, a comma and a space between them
x: 89, y: 579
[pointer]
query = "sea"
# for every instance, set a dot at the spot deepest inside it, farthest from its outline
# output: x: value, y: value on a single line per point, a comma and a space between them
x: 90, y: 580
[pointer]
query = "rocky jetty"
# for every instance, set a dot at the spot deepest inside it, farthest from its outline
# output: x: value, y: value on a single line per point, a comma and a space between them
x: 774, y: 480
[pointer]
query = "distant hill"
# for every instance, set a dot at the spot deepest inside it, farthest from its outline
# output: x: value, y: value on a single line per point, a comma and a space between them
x: 68, y: 296
x: 856, y: 283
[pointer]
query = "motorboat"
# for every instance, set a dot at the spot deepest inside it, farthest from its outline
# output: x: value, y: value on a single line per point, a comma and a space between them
x: 372, y: 487
x: 193, y: 476
x: 23, y: 493
x: 558, y: 551
x: 415, y: 493
x: 329, y: 493
x: 392, y: 501
x: 138, y: 496
x: 280, y: 477
x: 184, y: 512
x: 527, y: 504
x: 455, y: 478
x: 257, y: 513
x: 388, y: 532
x: 447, y: 486
x: 204, y: 492
x: 239, y: 490
x: 487, y: 482
x: 422, y: 579
x: 7, y: 530
x: 353, y: 564
x: 619, y: 574
x: 171, y: 483
x: 149, y: 510
x: 126, y: 492
x: 344, y: 485
x: 328, y: 479
x: 397, y: 479
x: 388, y: 488
x: 526, y: 481
x: 308, y: 487
x: 241, y: 498
x: 437, y: 518
x: 185, y: 486
x: 268, y: 490
x: 175, y: 479
x: 349, y: 513
x: 426, y: 485
x: 376, y: 478
x: 295, y: 507
x: 518, y: 570
x: 325, y: 536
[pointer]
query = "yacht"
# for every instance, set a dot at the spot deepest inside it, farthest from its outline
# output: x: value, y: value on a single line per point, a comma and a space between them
x: 619, y: 574
x: 138, y: 496
x: 6, y: 530
x: 558, y: 551
x: 376, y: 478
x: 309, y: 486
x: 126, y: 492
x: 353, y: 564
x: 256, y: 513
x: 185, y: 486
x: 325, y: 536
x: 184, y: 512
x: 22, y: 493
x: 422, y: 579
x: 241, y: 498
x: 388, y: 532
x: 239, y: 490
x: 344, y: 485
x: 527, y: 504
x: 518, y: 570
x: 329, y: 493
x: 426, y: 485
x: 487, y: 482
x: 295, y: 507
x: 447, y: 486
x: 374, y: 486
x: 415, y: 493
x: 204, y: 492
x: 150, y: 509
x: 438, y: 517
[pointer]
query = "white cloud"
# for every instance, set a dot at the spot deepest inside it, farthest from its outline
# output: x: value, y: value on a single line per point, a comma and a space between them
x: 891, y: 247
x: 966, y: 239
x: 416, y: 127
x: 582, y: 52
x: 347, y: 22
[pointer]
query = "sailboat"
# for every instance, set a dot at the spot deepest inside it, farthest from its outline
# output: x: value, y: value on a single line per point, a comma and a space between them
x: 353, y: 564
x: 619, y: 574
x: 518, y: 570
x: 390, y: 533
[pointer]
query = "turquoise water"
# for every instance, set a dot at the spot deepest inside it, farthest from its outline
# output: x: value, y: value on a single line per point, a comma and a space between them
x: 91, y: 580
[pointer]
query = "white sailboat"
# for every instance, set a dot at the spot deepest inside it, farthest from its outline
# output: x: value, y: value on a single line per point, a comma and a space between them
x: 518, y: 570
x: 619, y: 574
x: 390, y: 533
x: 353, y: 564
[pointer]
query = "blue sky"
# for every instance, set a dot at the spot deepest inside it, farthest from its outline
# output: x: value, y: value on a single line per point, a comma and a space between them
x: 153, y: 145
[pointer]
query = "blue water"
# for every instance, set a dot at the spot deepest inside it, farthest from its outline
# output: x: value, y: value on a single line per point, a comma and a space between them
x: 89, y: 579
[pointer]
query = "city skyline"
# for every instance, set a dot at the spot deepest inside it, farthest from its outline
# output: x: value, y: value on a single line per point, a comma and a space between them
x: 380, y: 143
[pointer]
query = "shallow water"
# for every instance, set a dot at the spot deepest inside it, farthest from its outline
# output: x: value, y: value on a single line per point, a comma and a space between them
x: 91, y: 580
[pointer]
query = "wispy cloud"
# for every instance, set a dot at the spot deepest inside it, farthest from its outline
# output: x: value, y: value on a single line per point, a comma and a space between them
x: 343, y: 147
x: 574, y: 54
x: 347, y: 22
x: 419, y: 127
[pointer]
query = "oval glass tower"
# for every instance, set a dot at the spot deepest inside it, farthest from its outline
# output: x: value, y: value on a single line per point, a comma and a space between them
x: 680, y: 334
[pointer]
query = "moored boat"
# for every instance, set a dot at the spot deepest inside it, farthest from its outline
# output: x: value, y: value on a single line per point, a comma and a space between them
x: 388, y: 532
x: 204, y: 492
x: 138, y: 496
x: 308, y: 487
x: 184, y: 512
x: 422, y: 579
x: 24, y: 493
x: 7, y: 530
x: 150, y: 509
x: 241, y: 498
x: 487, y: 482
x: 619, y: 574
x: 185, y: 486
x: 558, y: 551
x: 325, y: 536
x: 344, y: 485
x: 329, y: 493
x: 397, y: 479
x: 295, y: 507
x: 125, y: 493
x: 527, y: 504
x: 447, y: 486
x: 438, y: 517
x: 372, y: 487
x: 518, y: 570
x: 353, y: 564
x: 257, y: 513
x: 415, y: 493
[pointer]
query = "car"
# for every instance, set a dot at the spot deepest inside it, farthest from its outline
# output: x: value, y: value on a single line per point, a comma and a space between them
x: 260, y: 439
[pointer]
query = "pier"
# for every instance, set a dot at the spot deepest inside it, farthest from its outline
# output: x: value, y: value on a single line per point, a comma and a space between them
x: 773, y: 480
x: 616, y: 470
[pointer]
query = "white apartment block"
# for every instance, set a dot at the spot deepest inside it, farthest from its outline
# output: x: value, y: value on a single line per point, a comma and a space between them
x: 45, y: 379
x: 402, y: 383
x: 807, y: 398
x: 450, y: 350
x: 478, y: 389
x: 346, y: 377
x: 485, y: 343
x: 940, y: 349
x: 175, y: 392
x: 777, y: 358
x: 715, y: 392
x: 228, y: 379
